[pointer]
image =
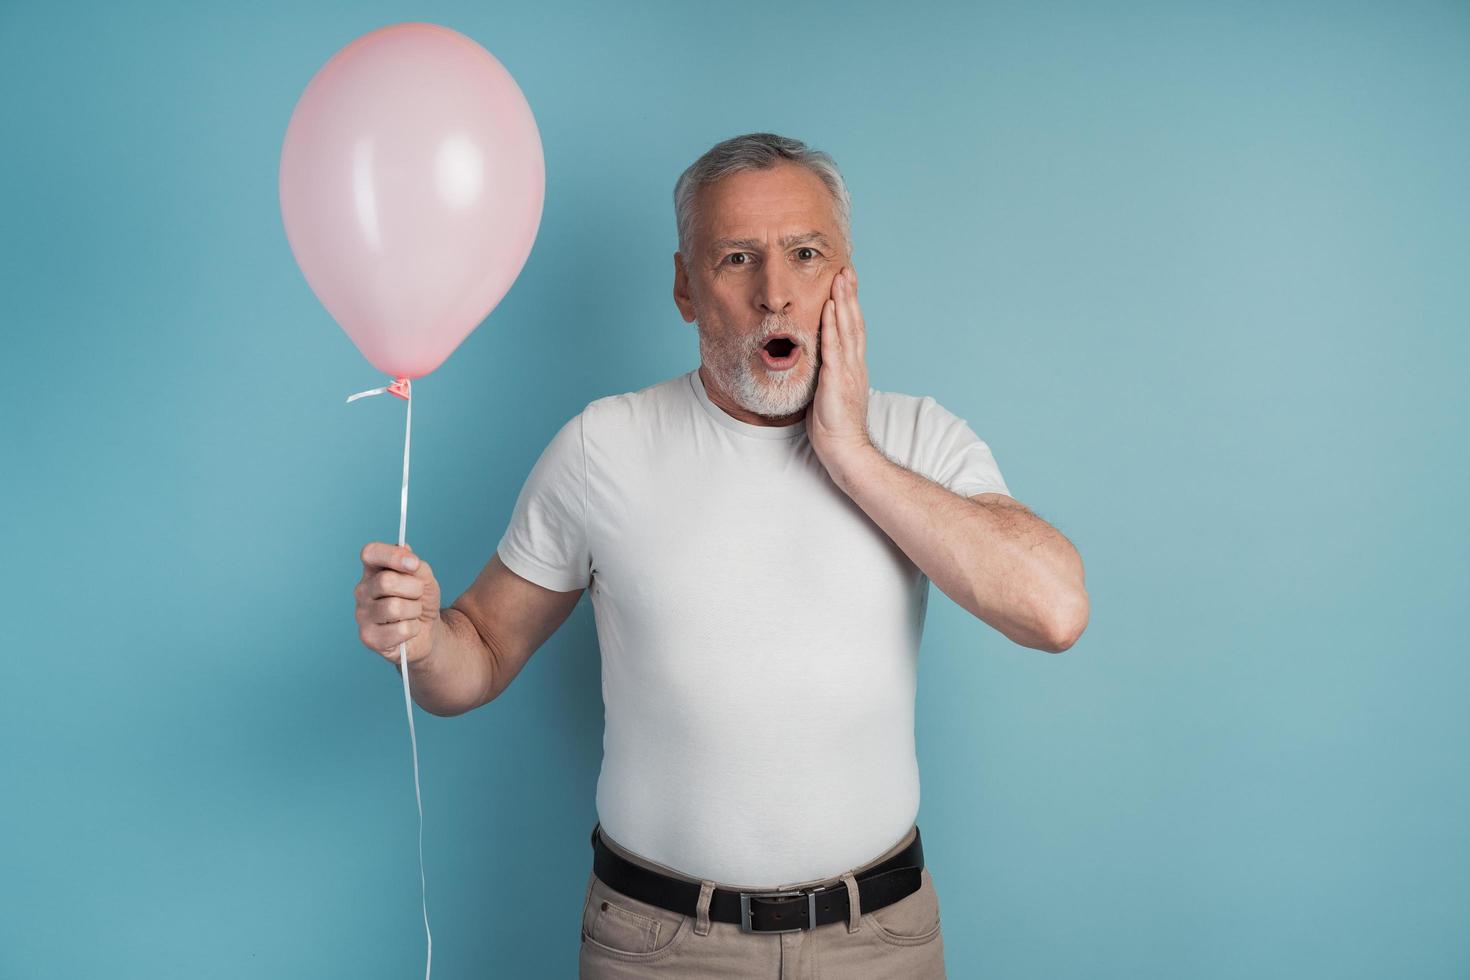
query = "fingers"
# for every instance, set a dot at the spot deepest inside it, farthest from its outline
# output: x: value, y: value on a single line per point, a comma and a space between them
x: 389, y: 569
x: 380, y: 554
x: 377, y: 585
x: 389, y: 594
x: 374, y: 614
x: 393, y: 610
x: 844, y: 284
x: 385, y: 637
x: 847, y: 317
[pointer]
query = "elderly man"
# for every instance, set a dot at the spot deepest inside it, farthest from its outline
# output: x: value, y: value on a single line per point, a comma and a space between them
x: 758, y: 536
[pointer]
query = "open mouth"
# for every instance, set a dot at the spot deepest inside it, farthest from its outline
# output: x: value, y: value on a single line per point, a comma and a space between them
x: 780, y: 352
x: 780, y: 346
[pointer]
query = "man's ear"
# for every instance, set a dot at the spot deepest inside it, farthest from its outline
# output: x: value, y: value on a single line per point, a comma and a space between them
x: 682, y: 298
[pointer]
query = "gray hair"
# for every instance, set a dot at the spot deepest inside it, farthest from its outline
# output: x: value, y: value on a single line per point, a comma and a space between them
x: 755, y: 151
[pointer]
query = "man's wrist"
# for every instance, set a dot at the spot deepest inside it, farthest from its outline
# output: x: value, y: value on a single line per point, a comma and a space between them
x: 849, y: 466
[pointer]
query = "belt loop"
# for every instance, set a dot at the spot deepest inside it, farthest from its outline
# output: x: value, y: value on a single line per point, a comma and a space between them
x: 854, y: 907
x: 701, y: 910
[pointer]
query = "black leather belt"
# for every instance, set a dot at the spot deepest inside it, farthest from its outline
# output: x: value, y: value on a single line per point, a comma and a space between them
x: 774, y: 911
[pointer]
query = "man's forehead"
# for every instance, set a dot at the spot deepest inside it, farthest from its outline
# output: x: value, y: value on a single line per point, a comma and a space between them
x: 747, y: 207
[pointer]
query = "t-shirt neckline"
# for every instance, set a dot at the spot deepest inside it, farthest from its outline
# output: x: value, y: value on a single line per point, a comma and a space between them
x: 792, y: 431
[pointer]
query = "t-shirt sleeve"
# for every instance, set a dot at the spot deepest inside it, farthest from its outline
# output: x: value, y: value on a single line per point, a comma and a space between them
x: 546, y: 541
x: 957, y: 458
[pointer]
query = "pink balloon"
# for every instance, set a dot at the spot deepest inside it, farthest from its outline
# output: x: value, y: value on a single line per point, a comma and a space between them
x: 411, y: 187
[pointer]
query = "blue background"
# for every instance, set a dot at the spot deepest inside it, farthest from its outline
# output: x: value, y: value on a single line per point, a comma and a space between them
x: 1197, y: 273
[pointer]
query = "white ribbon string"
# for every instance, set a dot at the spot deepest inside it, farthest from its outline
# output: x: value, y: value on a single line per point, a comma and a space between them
x: 403, y: 657
x: 364, y: 394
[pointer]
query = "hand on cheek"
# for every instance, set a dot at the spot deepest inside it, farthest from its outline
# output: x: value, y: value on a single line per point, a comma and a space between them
x: 837, y: 425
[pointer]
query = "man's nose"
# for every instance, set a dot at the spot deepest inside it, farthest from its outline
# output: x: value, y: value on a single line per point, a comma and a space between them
x: 774, y: 289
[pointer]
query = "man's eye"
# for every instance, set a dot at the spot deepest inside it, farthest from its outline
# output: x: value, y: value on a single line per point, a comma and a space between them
x: 807, y: 249
x: 735, y: 255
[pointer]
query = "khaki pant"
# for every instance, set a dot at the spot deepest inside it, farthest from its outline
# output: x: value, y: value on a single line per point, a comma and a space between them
x: 623, y: 937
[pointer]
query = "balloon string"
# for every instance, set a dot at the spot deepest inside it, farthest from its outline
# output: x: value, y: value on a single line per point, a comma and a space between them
x: 401, y: 387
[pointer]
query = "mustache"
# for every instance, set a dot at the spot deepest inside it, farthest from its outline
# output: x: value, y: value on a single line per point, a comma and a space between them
x: 772, y: 325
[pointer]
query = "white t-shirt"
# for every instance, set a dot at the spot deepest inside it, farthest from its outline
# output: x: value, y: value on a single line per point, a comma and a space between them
x: 759, y: 633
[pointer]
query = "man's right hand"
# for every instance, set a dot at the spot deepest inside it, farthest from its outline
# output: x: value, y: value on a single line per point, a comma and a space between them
x: 397, y: 600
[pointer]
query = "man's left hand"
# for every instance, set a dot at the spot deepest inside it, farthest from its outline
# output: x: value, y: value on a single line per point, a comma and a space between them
x: 837, y: 424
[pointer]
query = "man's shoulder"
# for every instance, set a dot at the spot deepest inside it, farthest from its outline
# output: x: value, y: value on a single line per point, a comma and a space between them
x: 888, y: 408
x: 647, y: 395
x: 909, y: 427
x: 634, y: 407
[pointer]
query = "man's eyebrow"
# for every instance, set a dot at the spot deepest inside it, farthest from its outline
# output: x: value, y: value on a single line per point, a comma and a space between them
x: 797, y: 238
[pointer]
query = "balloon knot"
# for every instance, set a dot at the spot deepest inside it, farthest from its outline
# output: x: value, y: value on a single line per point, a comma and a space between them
x: 400, y: 388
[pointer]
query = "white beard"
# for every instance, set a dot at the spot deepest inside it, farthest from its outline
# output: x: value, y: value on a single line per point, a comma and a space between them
x: 771, y: 394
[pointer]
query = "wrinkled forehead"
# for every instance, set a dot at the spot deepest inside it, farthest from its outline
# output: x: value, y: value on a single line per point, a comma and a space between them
x: 782, y: 202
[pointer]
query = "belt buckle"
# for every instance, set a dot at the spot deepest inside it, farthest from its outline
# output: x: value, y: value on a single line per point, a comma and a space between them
x: 811, y: 907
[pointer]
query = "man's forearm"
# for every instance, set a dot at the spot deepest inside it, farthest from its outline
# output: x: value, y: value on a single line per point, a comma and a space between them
x: 456, y: 675
x: 1007, y: 567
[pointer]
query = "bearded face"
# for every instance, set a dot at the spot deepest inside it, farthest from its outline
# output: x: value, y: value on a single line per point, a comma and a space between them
x: 765, y: 252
